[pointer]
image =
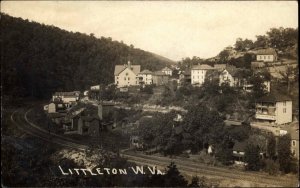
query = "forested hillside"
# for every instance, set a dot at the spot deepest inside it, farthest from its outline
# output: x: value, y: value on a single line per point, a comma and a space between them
x: 37, y: 59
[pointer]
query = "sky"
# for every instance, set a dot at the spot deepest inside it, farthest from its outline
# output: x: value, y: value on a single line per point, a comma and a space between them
x: 173, y: 29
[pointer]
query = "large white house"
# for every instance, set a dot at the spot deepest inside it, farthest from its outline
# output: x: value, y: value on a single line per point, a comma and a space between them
x: 198, y: 72
x: 127, y: 75
x: 273, y: 109
x: 145, y: 77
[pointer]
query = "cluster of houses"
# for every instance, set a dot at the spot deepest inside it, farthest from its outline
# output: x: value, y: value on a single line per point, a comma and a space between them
x: 273, y: 113
x: 65, y: 112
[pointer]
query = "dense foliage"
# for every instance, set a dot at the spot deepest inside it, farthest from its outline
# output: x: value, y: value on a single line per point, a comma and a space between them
x: 38, y: 60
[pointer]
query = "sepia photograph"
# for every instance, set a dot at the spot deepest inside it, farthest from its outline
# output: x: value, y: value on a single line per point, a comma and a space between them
x: 149, y: 94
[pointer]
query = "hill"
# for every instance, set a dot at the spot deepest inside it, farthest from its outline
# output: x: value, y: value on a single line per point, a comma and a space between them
x: 38, y: 59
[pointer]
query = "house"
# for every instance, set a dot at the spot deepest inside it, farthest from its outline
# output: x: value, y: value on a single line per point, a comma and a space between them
x: 229, y: 75
x: 273, y: 109
x: 293, y: 130
x: 66, y: 97
x: 167, y: 71
x: 95, y: 88
x: 266, y: 55
x: 238, y: 152
x: 145, y: 77
x: 89, y: 125
x: 160, y: 78
x: 185, y: 76
x: 127, y: 75
x: 198, y: 72
x: 56, y: 107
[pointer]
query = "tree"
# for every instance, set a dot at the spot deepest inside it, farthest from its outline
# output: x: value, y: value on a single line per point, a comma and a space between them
x: 271, y: 146
x: 284, y: 153
x: 252, y: 157
x: 262, y: 41
x: 173, y: 178
x: 288, y: 76
x: 194, y: 182
x: 224, y: 55
x: 243, y: 45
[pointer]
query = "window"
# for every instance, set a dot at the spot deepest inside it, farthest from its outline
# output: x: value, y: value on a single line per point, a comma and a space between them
x: 117, y: 77
x: 284, y: 103
x: 126, y: 73
x: 284, y: 110
x: 293, y: 143
x: 264, y: 57
x: 117, y: 82
x: 128, y: 78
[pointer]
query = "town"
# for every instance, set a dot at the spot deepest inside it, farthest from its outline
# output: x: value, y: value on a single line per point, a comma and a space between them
x: 140, y: 93
x: 136, y: 94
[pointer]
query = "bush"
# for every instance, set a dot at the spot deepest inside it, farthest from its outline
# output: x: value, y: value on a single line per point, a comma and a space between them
x: 272, y: 167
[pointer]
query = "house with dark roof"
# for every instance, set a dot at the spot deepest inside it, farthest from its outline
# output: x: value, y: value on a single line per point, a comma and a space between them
x: 145, y: 77
x: 185, y: 76
x: 160, y: 78
x: 293, y: 130
x: 167, y: 71
x: 273, y: 109
x: 127, y: 75
x: 266, y: 55
x: 230, y: 75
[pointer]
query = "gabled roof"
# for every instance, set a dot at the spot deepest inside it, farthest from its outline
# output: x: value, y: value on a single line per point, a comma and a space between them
x: 120, y: 68
x: 72, y: 93
x: 239, y: 146
x: 202, y: 67
x: 166, y: 69
x: 268, y: 51
x: 160, y: 73
x: 274, y: 97
x: 232, y: 70
x: 146, y: 71
x: 220, y: 66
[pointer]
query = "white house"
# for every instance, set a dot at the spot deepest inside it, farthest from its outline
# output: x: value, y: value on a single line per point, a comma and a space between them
x: 266, y: 55
x: 127, y: 75
x: 167, y: 71
x: 229, y: 75
x: 198, y: 73
x: 145, y: 77
x: 95, y: 88
x: 273, y: 109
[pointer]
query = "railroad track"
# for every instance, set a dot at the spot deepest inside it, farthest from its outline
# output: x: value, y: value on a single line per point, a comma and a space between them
x: 181, y: 161
x: 19, y: 119
x: 190, y: 168
x: 195, y: 169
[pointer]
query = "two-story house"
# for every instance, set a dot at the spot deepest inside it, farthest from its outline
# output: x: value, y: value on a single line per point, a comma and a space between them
x: 145, y: 77
x: 127, y: 75
x: 198, y: 72
x: 160, y: 78
x: 229, y: 75
x: 273, y: 109
x: 266, y: 55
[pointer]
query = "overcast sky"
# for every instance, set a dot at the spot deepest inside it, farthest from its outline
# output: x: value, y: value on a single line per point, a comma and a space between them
x: 175, y: 29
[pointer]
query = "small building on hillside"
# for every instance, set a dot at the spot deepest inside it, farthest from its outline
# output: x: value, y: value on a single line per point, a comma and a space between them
x: 229, y: 75
x: 127, y: 75
x: 57, y: 107
x: 160, y: 78
x: 167, y: 71
x: 145, y: 77
x: 66, y: 97
x: 293, y: 130
x: 273, y: 109
x: 266, y: 55
x: 185, y: 76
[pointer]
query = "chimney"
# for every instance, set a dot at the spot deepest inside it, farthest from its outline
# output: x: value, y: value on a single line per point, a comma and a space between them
x: 100, y: 111
x: 129, y: 64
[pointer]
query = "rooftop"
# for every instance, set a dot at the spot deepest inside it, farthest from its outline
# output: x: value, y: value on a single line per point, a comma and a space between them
x: 120, y: 68
x: 146, y: 71
x: 274, y: 97
x: 268, y: 51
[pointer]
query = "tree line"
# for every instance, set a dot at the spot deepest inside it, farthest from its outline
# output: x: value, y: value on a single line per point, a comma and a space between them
x: 39, y: 59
